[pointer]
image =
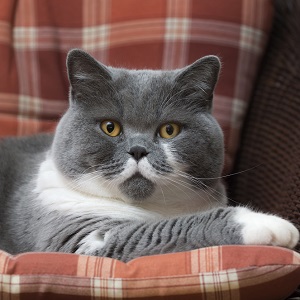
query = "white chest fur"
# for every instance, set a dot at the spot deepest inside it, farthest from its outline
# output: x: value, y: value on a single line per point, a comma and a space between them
x: 57, y: 193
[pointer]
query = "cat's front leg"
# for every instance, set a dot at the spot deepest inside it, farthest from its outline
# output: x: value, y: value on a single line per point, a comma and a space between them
x: 127, y: 239
x: 264, y: 229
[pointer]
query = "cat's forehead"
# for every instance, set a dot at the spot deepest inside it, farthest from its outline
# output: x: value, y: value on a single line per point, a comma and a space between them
x: 142, y: 94
x: 142, y: 81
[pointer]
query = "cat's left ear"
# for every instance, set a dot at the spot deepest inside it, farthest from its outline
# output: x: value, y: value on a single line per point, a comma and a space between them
x: 199, y: 79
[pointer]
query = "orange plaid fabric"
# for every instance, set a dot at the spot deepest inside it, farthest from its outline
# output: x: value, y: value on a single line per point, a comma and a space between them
x: 35, y: 36
x: 227, y: 272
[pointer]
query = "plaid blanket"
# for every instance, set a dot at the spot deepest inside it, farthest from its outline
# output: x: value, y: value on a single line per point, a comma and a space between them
x: 35, y: 36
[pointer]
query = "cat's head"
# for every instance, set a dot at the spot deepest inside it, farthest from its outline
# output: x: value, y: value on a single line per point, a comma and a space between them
x: 140, y: 133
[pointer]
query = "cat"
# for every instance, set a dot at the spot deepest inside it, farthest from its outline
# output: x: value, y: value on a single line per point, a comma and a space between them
x: 133, y: 169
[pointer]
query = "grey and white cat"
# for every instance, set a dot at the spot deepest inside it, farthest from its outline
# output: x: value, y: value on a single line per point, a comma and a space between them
x: 134, y: 169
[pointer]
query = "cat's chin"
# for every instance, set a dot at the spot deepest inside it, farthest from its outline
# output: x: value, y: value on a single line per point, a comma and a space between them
x: 137, y: 187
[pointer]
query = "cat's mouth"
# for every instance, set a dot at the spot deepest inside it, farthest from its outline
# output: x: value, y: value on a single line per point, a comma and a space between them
x: 137, y: 187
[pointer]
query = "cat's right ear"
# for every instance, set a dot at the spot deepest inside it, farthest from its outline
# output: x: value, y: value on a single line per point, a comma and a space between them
x: 82, y: 68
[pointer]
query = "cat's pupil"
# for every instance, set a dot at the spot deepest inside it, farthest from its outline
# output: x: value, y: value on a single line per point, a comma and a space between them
x: 110, y: 126
x: 169, y: 129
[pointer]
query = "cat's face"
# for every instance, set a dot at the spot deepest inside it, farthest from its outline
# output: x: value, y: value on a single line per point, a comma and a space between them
x: 140, y: 132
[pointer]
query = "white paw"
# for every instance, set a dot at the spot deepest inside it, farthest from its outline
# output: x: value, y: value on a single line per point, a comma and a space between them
x: 263, y: 229
x: 91, y: 243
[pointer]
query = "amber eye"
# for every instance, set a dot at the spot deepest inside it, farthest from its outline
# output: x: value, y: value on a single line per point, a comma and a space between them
x: 168, y: 131
x: 111, y: 128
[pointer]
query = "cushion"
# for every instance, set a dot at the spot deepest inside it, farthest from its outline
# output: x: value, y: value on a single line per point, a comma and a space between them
x: 35, y: 37
x: 227, y: 272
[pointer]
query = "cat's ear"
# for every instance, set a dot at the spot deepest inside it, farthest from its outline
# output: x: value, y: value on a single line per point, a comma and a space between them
x: 82, y: 67
x: 198, y: 80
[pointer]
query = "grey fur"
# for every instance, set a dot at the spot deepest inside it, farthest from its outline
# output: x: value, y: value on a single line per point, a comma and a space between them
x: 141, y: 101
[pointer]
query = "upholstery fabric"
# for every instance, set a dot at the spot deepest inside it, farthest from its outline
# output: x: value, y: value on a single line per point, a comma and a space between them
x: 228, y: 272
x: 271, y: 139
x: 35, y: 36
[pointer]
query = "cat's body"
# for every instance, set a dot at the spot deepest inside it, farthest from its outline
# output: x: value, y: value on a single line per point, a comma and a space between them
x: 133, y: 169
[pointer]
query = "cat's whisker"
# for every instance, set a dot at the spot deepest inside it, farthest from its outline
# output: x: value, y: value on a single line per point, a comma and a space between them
x: 79, y: 184
x: 85, y: 170
x: 202, y: 190
x: 180, y: 182
x: 219, y: 193
x: 163, y: 195
x: 81, y: 180
x: 185, y: 185
x: 174, y: 182
x: 110, y: 184
x: 100, y: 167
x: 200, y: 185
x: 224, y: 176
x: 197, y: 193
x: 198, y: 181
x: 171, y: 182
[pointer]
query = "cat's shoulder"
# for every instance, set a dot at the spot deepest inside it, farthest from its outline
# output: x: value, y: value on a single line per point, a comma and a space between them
x: 21, y: 156
x: 31, y: 144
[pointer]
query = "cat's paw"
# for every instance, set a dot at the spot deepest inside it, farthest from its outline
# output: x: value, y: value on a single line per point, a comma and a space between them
x: 91, y: 244
x: 263, y: 229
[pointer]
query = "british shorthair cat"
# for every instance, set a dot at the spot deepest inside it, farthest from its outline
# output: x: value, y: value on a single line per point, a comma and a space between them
x: 133, y: 169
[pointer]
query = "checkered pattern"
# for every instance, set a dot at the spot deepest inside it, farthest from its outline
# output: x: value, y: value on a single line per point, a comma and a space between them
x: 228, y: 272
x: 35, y: 36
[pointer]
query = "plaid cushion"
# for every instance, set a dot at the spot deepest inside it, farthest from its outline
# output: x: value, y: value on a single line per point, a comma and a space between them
x: 228, y: 272
x: 36, y: 35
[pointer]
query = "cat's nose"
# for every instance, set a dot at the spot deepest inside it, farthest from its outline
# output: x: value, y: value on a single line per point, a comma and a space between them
x: 138, y: 152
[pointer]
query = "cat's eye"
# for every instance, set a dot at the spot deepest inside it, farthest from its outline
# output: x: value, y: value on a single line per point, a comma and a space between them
x: 169, y: 130
x: 111, y: 128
